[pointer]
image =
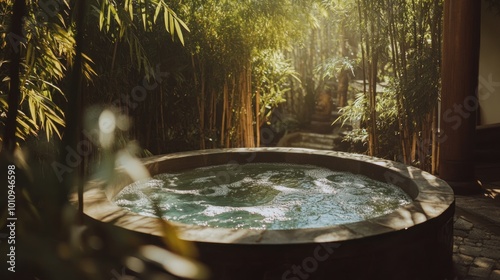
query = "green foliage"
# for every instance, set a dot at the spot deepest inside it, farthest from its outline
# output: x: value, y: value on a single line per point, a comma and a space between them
x: 124, y: 21
x: 230, y: 32
x: 47, y: 51
x: 333, y: 66
x: 420, y: 90
x: 355, y: 114
x: 229, y: 43
x: 400, y: 45
x: 48, y: 47
x: 272, y: 74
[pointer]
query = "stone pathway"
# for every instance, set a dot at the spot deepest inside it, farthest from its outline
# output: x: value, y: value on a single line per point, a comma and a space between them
x: 476, y: 249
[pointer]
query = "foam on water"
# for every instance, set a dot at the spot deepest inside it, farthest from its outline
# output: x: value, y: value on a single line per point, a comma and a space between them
x: 263, y: 195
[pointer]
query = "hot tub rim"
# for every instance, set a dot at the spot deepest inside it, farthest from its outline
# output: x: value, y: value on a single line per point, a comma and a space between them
x: 434, y: 198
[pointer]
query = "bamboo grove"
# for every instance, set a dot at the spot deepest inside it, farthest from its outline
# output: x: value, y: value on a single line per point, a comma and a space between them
x: 401, y: 45
x: 212, y: 74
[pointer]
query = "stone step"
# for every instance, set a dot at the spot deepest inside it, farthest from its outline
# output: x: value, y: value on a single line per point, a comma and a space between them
x: 326, y: 119
x: 310, y: 140
x: 324, y: 139
x: 310, y: 145
x: 320, y: 126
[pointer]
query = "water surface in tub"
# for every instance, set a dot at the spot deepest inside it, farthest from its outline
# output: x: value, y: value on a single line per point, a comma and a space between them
x: 262, y: 195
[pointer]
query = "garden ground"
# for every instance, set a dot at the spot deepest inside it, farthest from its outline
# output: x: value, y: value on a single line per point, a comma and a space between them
x: 476, y: 249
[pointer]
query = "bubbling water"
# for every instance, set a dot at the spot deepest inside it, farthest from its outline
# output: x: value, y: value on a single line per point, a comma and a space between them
x: 262, y: 196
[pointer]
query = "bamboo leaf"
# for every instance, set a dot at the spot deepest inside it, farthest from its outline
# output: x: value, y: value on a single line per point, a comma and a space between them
x: 144, y: 15
x: 179, y: 32
x: 182, y: 23
x: 101, y: 14
x: 146, y: 12
x: 115, y: 15
x: 157, y: 12
x: 130, y: 9
x: 32, y: 109
x: 29, y: 54
x: 165, y: 19
x: 171, y: 24
x: 53, y: 86
x: 108, y: 18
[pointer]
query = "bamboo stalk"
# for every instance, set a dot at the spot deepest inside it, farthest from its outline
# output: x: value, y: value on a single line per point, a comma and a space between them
x: 435, y: 142
x: 414, y: 146
x: 257, y: 118
x: 224, y: 108
x: 250, y: 112
x: 231, y: 113
x: 211, y: 122
x: 201, y: 108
